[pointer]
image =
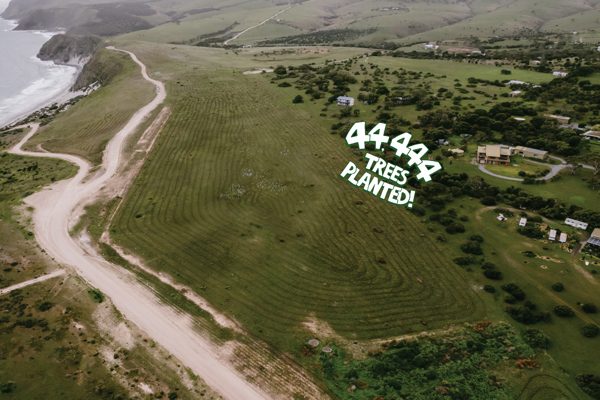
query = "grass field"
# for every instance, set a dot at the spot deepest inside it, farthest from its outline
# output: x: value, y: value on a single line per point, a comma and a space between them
x: 99, y: 116
x: 241, y: 201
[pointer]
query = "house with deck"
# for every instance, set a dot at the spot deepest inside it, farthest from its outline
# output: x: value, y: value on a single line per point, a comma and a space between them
x: 345, y: 101
x: 493, y: 155
x: 531, y: 153
x: 595, y: 238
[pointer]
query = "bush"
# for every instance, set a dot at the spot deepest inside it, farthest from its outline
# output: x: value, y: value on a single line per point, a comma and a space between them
x: 488, y: 201
x: 590, y: 330
x: 536, y: 338
x: 488, y: 265
x: 97, y: 295
x: 298, y: 99
x: 471, y: 248
x: 489, y: 289
x: 532, y: 232
x: 510, y: 299
x: 476, y: 238
x: 455, y: 228
x: 492, y: 274
x: 563, y: 311
x: 530, y: 305
x: 45, y: 306
x: 522, y: 314
x: 590, y: 384
x: 462, y: 260
x: 514, y: 290
x: 589, y: 308
x: 558, y: 287
x: 7, y: 387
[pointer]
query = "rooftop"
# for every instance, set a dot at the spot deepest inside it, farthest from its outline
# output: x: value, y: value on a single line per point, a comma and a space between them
x: 345, y: 98
x: 521, y: 148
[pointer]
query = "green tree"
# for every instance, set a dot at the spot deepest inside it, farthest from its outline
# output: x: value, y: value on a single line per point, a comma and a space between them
x: 536, y: 338
x: 590, y: 330
x: 298, y: 99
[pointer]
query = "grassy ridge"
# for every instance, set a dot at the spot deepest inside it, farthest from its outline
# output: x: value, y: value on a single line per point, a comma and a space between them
x: 86, y: 128
x: 241, y: 200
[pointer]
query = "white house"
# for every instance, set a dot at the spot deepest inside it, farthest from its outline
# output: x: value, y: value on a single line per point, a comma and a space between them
x: 523, y: 222
x: 515, y: 93
x: 552, y: 235
x: 345, y: 101
x: 563, y: 238
x: 560, y: 73
x: 576, y: 224
x: 501, y: 217
x: 429, y: 46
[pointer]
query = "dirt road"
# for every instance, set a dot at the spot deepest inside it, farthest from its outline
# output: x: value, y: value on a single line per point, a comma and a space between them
x: 53, y: 211
x: 255, y: 26
x: 43, y: 278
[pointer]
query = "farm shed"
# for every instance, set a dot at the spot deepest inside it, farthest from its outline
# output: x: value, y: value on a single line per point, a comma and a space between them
x: 457, y: 152
x: 523, y: 222
x: 552, y: 235
x: 563, y: 238
x: 531, y: 153
x: 576, y: 224
x: 560, y: 73
x: 515, y: 93
x: 562, y: 120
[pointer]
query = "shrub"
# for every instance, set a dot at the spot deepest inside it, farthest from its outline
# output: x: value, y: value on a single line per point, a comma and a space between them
x: 97, y: 295
x: 558, y: 287
x: 590, y: 330
x: 522, y: 314
x: 462, y: 260
x: 488, y: 201
x: 529, y: 253
x: 471, y: 248
x: 455, y: 228
x: 476, y: 238
x: 298, y: 99
x: 589, y: 308
x: 514, y: 290
x: 492, y: 274
x: 7, y: 387
x: 530, y: 305
x: 536, y: 338
x: 563, y: 311
x: 532, y: 232
x: 446, y: 221
x: 488, y: 265
x: 510, y: 299
x: 489, y: 289
x: 45, y: 306
x: 590, y: 384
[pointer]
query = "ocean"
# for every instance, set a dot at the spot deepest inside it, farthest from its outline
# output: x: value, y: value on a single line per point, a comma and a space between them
x: 27, y: 83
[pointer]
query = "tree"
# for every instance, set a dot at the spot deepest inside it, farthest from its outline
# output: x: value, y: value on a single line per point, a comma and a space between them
x: 589, y: 308
x: 558, y: 287
x: 492, y: 274
x: 471, y: 248
x: 590, y: 384
x: 488, y: 201
x: 280, y: 70
x: 573, y: 165
x: 298, y: 99
x: 594, y: 162
x: 536, y: 338
x: 563, y: 311
x: 590, y: 330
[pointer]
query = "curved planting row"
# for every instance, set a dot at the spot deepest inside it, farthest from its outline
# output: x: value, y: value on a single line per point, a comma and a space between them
x: 242, y: 201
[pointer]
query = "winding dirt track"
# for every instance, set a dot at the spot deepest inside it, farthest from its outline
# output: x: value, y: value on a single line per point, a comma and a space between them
x: 54, y: 207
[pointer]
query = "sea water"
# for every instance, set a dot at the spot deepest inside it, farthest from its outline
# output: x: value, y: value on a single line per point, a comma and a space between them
x: 27, y: 83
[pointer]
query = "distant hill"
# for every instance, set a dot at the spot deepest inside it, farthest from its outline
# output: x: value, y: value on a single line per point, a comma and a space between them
x: 368, y: 22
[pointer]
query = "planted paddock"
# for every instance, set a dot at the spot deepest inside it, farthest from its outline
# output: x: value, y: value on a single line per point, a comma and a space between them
x: 241, y: 200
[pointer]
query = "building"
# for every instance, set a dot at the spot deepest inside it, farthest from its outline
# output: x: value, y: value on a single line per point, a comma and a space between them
x: 562, y: 74
x: 403, y: 101
x: 520, y: 119
x: 561, y: 119
x: 515, y: 93
x: 493, y: 154
x: 457, y: 152
x: 552, y: 235
x: 501, y: 217
x: 531, y: 153
x: 429, y: 46
x: 595, y: 238
x: 523, y: 222
x: 576, y: 224
x: 563, y: 238
x: 345, y: 101
x: 592, y: 134
x: 513, y: 82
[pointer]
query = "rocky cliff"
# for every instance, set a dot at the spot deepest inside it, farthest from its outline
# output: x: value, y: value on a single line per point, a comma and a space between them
x: 69, y: 49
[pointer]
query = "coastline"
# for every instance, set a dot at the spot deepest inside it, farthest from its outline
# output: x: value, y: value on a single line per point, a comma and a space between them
x: 28, y: 105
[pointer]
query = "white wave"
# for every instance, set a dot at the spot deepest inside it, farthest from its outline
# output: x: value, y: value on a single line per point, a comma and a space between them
x: 55, y: 81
